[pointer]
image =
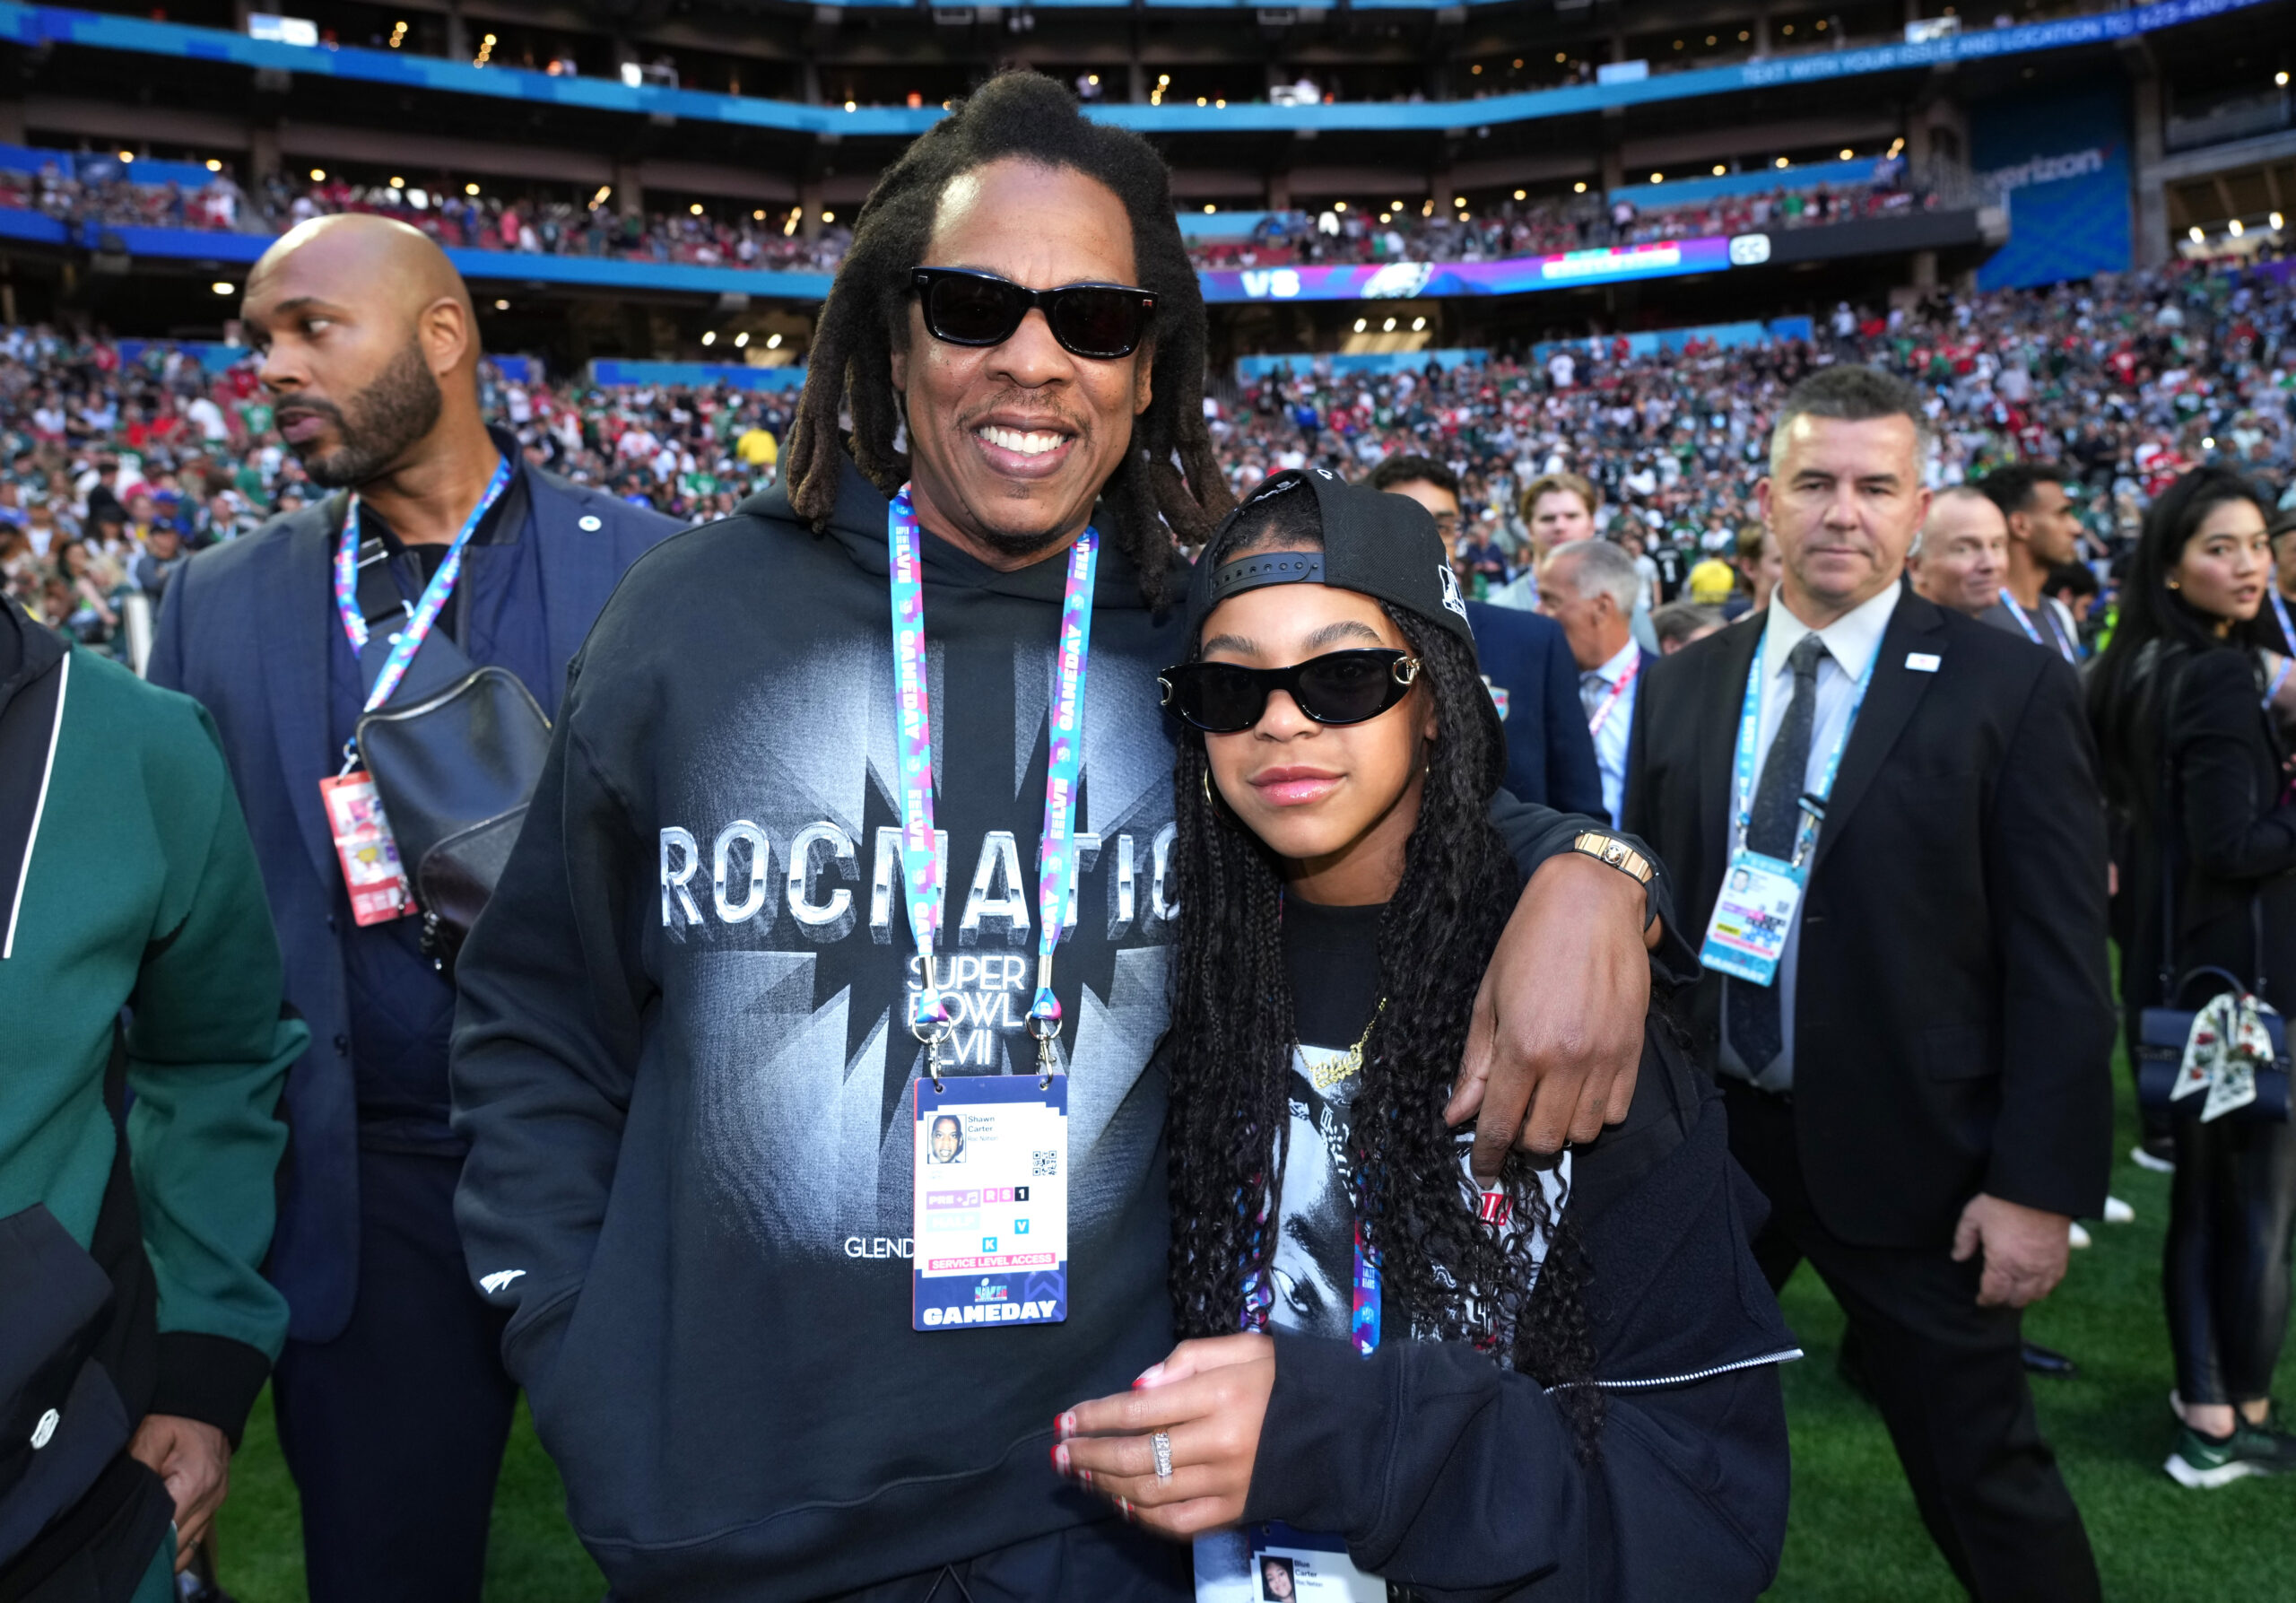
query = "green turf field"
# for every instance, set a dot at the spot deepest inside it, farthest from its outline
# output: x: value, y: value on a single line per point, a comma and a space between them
x: 1855, y: 1538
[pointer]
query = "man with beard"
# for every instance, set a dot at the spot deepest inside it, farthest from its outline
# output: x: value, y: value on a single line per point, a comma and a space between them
x: 2044, y: 535
x: 392, y: 1400
x: 799, y: 742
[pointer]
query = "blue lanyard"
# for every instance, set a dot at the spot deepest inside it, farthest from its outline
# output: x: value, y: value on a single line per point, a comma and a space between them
x: 920, y: 862
x: 2063, y: 649
x: 417, y: 627
x: 1813, y: 804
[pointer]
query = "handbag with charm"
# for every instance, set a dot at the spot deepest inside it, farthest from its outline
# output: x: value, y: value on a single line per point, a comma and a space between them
x: 2227, y: 1058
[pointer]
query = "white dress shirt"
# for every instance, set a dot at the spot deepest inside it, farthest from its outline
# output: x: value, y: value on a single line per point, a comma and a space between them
x: 1850, y: 642
x: 1595, y: 687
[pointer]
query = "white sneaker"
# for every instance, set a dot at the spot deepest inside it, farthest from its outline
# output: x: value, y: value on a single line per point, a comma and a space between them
x: 2117, y: 1212
x: 2145, y: 1160
x: 2074, y: 1235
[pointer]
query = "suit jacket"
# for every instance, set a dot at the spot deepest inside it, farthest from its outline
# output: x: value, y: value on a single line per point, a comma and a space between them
x: 1952, y: 1022
x: 1550, y: 758
x: 244, y: 630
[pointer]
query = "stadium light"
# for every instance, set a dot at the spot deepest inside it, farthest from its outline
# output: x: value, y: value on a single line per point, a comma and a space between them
x: 1779, y: 162
x: 1476, y: 70
x: 1560, y: 58
x: 1209, y: 208
x: 1200, y: 101
x: 128, y: 155
x: 1709, y: 41
x: 1846, y: 153
x: 1519, y: 64
x: 213, y: 165
x: 1580, y: 187
x: 319, y: 175
x: 501, y: 306
x: 758, y: 215
x: 1459, y: 200
x: 1339, y: 205
x: 1719, y: 170
x: 1743, y: 36
x: 2208, y: 442
x: 2197, y: 237
x: 709, y: 336
x: 2276, y: 224
x: 695, y: 209
x: 1220, y: 105
x: 1360, y: 323
x: 1093, y: 79
x: 398, y: 33
x: 398, y: 182
x: 1518, y: 195
x: 849, y: 105
x: 1788, y: 30
x: 742, y: 341
x: 1417, y: 323
x: 1657, y: 177
x: 773, y: 341
x: 485, y: 51
x: 471, y: 191
x: 1388, y: 327
x: 220, y: 287
x: 828, y: 216
x: 1397, y: 206
x: 2236, y: 228
x: 2280, y: 79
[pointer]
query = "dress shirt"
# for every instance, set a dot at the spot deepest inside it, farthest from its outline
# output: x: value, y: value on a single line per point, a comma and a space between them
x: 1850, y: 642
x: 1595, y: 687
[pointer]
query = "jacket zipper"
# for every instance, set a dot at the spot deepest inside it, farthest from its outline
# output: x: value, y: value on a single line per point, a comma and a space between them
x: 1786, y: 1355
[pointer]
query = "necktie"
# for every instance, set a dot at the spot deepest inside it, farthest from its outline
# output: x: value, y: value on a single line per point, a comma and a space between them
x: 1756, y: 1031
x: 1591, y: 688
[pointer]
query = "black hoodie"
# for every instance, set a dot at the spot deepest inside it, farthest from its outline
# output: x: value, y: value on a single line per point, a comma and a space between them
x: 682, y: 1067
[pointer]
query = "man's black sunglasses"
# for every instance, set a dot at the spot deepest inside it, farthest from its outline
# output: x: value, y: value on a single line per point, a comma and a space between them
x: 1339, y: 687
x: 1101, y: 321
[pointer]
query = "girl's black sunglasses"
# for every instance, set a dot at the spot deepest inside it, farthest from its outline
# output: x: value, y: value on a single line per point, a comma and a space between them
x: 1101, y: 321
x: 1339, y: 687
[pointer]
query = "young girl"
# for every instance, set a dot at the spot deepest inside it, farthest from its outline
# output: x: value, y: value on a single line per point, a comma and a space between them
x: 1561, y: 1384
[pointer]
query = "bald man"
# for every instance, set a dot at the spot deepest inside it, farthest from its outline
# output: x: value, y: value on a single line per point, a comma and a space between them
x: 393, y: 1403
x: 1961, y: 555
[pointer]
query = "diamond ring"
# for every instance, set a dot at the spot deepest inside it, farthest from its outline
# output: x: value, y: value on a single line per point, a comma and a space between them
x: 1163, y: 1444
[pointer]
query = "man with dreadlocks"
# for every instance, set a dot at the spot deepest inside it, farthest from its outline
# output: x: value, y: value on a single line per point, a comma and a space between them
x: 720, y: 1002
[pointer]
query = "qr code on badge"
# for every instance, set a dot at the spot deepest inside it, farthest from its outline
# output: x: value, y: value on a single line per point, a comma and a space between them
x: 1044, y: 1161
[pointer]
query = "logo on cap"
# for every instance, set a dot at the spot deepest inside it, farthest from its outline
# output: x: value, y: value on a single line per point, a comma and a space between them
x: 1451, y: 589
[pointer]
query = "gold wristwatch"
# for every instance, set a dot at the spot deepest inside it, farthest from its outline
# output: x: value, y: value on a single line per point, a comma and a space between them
x: 1617, y: 853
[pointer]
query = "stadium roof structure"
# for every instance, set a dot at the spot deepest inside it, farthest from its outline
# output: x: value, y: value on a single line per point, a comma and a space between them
x: 35, y: 25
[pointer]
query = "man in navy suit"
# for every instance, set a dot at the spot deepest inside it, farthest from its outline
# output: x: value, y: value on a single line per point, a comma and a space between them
x: 1589, y: 586
x: 393, y: 1403
x: 1525, y: 662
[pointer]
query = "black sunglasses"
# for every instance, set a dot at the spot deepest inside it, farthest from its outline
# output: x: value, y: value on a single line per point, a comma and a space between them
x: 1101, y: 321
x: 1339, y: 687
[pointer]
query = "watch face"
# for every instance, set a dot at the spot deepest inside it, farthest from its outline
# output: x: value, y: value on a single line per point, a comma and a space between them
x: 1614, y: 853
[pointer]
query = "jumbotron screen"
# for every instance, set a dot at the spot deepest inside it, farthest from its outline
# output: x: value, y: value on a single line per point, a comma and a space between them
x: 1404, y: 280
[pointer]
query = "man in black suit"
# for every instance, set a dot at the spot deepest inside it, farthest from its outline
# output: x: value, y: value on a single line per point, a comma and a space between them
x: 1921, y: 1088
x: 393, y: 1402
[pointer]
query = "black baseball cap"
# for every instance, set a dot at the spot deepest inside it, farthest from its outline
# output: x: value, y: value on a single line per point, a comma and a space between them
x: 1382, y: 544
x: 1375, y: 541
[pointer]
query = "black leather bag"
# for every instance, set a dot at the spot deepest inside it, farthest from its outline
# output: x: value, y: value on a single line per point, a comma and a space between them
x: 454, y: 772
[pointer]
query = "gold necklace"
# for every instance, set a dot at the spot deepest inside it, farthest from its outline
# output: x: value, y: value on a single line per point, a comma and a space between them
x: 1324, y: 1076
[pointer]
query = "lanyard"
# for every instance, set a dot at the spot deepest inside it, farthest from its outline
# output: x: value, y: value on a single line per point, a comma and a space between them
x: 920, y: 864
x: 2064, y: 649
x: 417, y: 627
x: 1602, y: 714
x: 1814, y: 802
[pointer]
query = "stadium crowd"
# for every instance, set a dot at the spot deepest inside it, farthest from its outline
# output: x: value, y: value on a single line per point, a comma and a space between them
x: 2130, y: 382
x: 770, y: 239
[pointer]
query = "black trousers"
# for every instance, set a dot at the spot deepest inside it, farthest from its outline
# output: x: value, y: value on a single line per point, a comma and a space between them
x: 1946, y: 1374
x: 2232, y: 1212
x: 394, y: 1430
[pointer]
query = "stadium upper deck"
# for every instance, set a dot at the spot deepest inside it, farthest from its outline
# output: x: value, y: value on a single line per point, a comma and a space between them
x: 726, y: 111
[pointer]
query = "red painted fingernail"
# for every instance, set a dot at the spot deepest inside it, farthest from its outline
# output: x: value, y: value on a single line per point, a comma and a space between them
x: 1087, y: 1476
x: 1060, y: 1459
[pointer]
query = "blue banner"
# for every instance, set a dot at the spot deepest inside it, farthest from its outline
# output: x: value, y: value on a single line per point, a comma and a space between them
x: 2061, y: 158
x: 31, y: 25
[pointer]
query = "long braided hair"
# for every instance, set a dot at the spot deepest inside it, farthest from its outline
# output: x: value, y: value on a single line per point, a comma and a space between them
x: 1170, y: 482
x: 1445, y: 1273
